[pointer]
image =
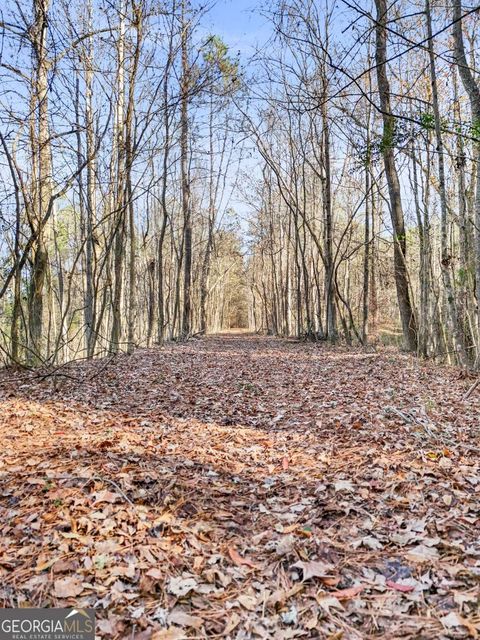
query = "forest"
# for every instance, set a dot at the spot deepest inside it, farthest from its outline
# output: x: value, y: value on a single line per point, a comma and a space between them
x: 130, y: 133
x: 239, y: 317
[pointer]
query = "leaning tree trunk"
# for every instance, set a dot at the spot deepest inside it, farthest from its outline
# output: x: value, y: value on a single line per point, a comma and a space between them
x: 409, y: 324
x: 473, y: 91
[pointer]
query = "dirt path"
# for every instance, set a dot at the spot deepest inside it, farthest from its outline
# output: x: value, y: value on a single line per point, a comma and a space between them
x: 245, y: 487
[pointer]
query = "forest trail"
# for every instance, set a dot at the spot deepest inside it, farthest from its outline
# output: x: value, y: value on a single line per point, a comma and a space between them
x: 240, y: 486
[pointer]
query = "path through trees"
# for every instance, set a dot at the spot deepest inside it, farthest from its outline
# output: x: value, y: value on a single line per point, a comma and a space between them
x: 243, y: 486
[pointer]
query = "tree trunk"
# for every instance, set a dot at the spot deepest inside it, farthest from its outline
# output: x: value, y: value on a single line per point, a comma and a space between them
x: 119, y: 200
x: 41, y: 157
x: 473, y: 91
x: 409, y: 324
x: 185, y: 176
x: 446, y: 258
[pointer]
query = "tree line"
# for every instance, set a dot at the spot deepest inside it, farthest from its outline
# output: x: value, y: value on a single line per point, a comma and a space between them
x: 352, y: 136
x: 116, y: 136
x: 368, y: 213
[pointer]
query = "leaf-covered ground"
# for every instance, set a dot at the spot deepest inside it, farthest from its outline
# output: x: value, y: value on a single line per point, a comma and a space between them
x: 245, y: 487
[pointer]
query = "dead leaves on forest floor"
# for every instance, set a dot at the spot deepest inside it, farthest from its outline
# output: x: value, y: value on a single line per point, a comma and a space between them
x: 242, y: 487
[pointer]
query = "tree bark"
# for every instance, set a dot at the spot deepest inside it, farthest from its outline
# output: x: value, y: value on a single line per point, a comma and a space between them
x: 446, y: 258
x: 42, y: 175
x: 409, y: 324
x: 473, y: 91
x: 185, y: 177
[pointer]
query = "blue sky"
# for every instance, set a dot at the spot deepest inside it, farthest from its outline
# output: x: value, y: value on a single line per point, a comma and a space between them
x: 243, y: 29
x: 239, y: 23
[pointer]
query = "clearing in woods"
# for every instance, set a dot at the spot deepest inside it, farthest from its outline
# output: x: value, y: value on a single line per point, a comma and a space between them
x: 240, y: 487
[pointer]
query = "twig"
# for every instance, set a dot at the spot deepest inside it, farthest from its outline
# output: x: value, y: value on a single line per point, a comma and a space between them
x: 98, y: 479
x: 114, y: 484
x: 471, y: 390
x: 409, y: 420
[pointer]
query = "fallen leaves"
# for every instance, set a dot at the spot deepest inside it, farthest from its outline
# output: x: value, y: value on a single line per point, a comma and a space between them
x: 68, y: 587
x: 247, y: 602
x: 349, y: 593
x: 369, y: 542
x: 255, y: 489
x: 454, y: 620
x: 183, y: 619
x: 343, y: 485
x: 313, y: 569
x: 106, y: 496
x: 422, y: 553
x: 172, y: 633
x: 240, y: 560
x: 404, y: 588
x: 181, y: 586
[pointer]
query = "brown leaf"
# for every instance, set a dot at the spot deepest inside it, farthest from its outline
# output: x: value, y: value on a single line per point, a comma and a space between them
x: 232, y: 622
x: 43, y: 563
x: 172, y: 633
x: 248, y: 602
x: 183, y: 619
x: 68, y: 587
x: 314, y: 569
x: 349, y: 593
x: 240, y: 560
x: 155, y: 573
x: 422, y: 553
x: 106, y: 496
x: 404, y: 588
x: 178, y: 586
